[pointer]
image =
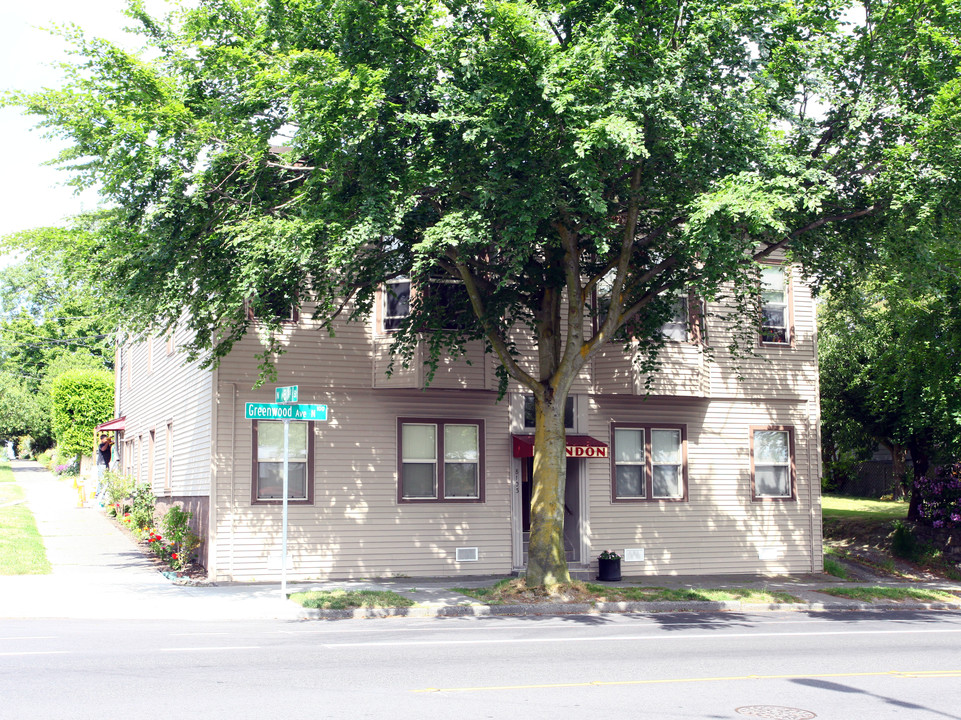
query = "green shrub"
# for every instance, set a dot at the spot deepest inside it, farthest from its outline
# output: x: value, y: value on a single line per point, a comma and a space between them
x: 118, y: 487
x: 82, y: 399
x: 903, y: 543
x: 181, y: 540
x: 142, y: 506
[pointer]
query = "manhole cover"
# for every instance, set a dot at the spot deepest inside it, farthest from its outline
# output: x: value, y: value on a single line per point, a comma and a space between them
x: 775, y: 712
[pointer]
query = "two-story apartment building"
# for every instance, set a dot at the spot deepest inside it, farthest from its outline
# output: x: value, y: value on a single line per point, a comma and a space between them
x: 711, y: 470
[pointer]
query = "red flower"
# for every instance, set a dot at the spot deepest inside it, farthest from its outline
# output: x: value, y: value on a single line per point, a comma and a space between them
x: 174, y: 556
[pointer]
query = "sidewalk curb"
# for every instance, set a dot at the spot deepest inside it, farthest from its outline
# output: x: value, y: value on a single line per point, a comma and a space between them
x: 560, y: 609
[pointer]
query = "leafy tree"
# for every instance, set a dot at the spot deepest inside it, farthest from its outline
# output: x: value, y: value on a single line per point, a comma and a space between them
x: 82, y: 399
x: 53, y: 317
x: 890, y: 353
x: 543, y: 153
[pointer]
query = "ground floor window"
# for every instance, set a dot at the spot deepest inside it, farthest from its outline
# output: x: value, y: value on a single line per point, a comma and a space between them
x: 268, y: 462
x: 648, y: 462
x: 772, y: 463
x: 440, y: 460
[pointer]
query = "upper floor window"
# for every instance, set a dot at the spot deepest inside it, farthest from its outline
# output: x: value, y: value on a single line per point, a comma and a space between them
x: 440, y: 460
x: 677, y: 328
x: 684, y: 320
x: 276, y: 305
x: 530, y: 412
x: 444, y: 298
x: 268, y: 462
x: 772, y: 463
x: 649, y: 462
x: 450, y: 295
x: 396, y: 302
x: 775, y: 306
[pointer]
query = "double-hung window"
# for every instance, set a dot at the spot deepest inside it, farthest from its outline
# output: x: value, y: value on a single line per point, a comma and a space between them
x: 775, y: 307
x: 448, y: 297
x: 440, y: 460
x: 396, y: 303
x: 677, y: 327
x: 772, y: 464
x: 274, y: 304
x: 648, y: 462
x: 268, y: 462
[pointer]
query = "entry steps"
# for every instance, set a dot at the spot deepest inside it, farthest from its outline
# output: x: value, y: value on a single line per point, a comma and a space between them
x: 570, y: 554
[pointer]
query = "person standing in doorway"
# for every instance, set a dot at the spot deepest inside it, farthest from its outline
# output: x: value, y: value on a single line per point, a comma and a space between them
x: 103, y: 460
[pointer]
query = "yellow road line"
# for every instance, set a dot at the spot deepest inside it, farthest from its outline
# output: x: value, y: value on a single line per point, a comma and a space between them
x: 551, y: 686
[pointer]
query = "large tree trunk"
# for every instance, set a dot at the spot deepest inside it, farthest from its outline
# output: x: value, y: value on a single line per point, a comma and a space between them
x: 546, y: 563
x: 921, y: 463
x: 899, y: 467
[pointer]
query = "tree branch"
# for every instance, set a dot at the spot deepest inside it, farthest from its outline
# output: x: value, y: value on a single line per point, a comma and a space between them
x: 814, y: 225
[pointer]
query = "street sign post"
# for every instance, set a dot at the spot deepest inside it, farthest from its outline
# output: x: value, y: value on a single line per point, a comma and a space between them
x: 285, y: 395
x: 283, y: 410
x: 276, y: 411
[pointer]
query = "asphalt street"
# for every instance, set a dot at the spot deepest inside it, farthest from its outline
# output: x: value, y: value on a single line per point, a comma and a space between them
x: 690, y: 665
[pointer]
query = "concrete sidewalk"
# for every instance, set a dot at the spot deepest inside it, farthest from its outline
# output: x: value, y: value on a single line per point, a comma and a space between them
x: 98, y: 572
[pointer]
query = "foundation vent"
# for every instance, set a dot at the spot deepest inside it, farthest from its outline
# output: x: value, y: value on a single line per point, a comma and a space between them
x: 466, y: 554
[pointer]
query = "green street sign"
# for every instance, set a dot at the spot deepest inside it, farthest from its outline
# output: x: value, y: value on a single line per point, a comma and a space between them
x: 285, y: 395
x: 276, y: 411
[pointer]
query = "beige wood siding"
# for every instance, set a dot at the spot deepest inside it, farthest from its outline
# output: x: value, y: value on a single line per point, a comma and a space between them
x: 719, y: 528
x: 356, y: 527
x: 167, y: 390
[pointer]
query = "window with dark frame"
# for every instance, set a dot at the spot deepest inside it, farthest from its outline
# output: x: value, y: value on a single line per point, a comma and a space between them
x: 451, y: 295
x: 772, y: 463
x: 278, y: 306
x: 775, y: 307
x: 530, y: 412
x: 268, y: 462
x: 648, y: 462
x: 440, y: 460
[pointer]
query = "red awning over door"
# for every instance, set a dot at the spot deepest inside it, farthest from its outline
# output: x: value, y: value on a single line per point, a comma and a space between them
x: 115, y: 424
x: 578, y: 446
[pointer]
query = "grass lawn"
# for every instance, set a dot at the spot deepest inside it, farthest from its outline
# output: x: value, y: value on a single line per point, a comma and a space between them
x: 348, y: 599
x: 513, y: 591
x: 21, y: 549
x: 836, y: 506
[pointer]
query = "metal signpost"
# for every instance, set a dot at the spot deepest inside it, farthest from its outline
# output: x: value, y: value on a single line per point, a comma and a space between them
x: 284, y: 410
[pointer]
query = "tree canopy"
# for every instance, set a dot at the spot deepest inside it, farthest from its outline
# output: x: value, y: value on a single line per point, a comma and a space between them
x: 890, y: 359
x: 82, y: 399
x: 538, y: 151
x: 53, y: 317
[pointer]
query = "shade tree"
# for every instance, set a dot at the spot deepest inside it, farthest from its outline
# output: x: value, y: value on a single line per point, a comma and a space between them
x: 571, y: 165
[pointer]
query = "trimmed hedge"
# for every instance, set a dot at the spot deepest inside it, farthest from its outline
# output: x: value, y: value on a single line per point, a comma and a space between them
x: 82, y: 399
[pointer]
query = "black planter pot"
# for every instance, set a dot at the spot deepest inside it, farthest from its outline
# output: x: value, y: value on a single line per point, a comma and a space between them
x: 609, y: 569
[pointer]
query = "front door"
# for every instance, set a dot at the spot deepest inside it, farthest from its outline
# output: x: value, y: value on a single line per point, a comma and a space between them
x: 572, y: 508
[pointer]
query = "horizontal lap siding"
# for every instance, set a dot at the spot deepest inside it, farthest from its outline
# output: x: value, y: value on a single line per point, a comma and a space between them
x: 168, y: 389
x: 356, y: 527
x: 719, y: 529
